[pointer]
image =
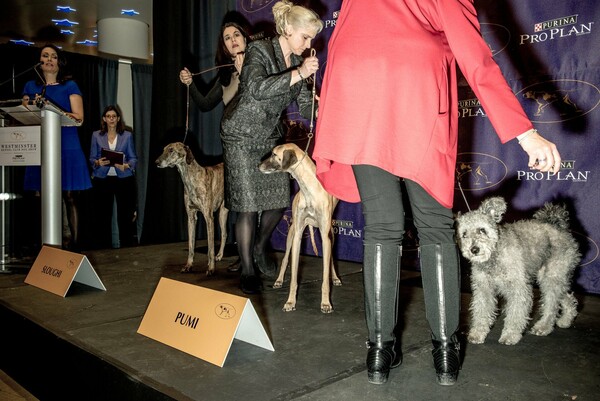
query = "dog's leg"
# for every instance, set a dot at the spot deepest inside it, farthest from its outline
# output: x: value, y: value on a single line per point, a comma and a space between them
x: 326, y: 242
x: 284, y: 263
x: 519, y: 300
x: 210, y: 232
x: 568, y: 307
x: 192, y: 220
x: 290, y: 304
x: 553, y: 290
x: 483, y: 307
x: 223, y: 213
x: 335, y: 279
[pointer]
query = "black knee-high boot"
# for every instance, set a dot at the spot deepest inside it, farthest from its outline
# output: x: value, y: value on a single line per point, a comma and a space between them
x: 440, y: 272
x: 381, y: 274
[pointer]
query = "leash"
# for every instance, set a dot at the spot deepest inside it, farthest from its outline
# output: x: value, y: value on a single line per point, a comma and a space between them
x: 463, y: 194
x: 187, y: 105
x: 310, y: 134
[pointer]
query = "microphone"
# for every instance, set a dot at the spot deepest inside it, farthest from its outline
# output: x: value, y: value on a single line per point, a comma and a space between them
x: 23, y: 72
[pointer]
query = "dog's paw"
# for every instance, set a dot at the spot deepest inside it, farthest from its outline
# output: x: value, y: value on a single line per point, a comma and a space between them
x: 210, y: 271
x: 541, y: 329
x: 186, y: 269
x: 337, y: 282
x: 475, y: 337
x: 510, y: 338
x: 289, y: 306
x: 278, y: 284
x: 326, y: 308
x: 219, y: 256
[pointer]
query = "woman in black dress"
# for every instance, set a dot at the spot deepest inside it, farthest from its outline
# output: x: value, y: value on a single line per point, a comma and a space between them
x: 272, y: 78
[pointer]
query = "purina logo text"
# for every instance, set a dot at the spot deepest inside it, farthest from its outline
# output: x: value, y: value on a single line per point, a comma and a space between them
x: 557, y: 28
x: 567, y: 173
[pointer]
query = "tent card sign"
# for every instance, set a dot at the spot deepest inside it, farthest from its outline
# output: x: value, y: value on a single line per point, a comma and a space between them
x: 200, y: 321
x: 54, y: 270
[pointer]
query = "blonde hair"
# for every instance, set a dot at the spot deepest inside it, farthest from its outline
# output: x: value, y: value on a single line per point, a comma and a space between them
x: 287, y: 14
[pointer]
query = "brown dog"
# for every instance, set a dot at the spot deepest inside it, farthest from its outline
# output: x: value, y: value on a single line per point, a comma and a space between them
x: 204, y: 192
x: 313, y: 207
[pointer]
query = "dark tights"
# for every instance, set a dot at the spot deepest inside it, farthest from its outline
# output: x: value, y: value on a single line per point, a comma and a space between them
x: 248, y: 242
x: 70, y: 199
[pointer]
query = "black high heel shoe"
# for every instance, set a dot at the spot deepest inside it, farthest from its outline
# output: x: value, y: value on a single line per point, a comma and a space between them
x: 381, y: 357
x: 446, y: 358
x: 251, y: 284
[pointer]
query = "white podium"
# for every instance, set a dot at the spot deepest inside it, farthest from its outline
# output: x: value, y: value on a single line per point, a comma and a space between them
x: 51, y: 118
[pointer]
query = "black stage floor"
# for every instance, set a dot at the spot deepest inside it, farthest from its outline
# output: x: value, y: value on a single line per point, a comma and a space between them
x: 86, y: 347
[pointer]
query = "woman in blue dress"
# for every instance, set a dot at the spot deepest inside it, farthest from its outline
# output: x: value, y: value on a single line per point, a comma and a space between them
x: 60, y: 89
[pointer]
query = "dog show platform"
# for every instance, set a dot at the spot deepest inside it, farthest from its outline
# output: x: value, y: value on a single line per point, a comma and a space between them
x: 85, y: 346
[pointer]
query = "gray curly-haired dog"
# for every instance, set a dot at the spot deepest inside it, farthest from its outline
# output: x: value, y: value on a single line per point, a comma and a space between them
x: 507, y: 259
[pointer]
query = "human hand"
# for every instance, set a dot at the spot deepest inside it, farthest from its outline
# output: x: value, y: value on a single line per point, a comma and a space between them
x: 102, y: 162
x: 543, y: 154
x: 238, y: 62
x: 309, y: 66
x: 121, y: 167
x: 185, y: 76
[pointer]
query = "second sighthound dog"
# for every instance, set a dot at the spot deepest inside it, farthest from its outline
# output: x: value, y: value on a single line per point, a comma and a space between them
x: 507, y: 259
x: 203, y: 191
x: 312, y: 206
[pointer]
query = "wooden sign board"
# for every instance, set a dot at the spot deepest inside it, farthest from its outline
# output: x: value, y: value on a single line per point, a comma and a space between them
x: 200, y: 321
x: 54, y: 270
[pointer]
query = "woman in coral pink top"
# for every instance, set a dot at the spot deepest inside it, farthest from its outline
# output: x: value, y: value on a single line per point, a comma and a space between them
x: 387, y: 114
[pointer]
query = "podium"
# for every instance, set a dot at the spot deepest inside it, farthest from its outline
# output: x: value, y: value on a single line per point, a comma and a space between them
x: 51, y: 117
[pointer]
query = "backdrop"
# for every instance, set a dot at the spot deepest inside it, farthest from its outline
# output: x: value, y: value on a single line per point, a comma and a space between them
x: 544, y: 49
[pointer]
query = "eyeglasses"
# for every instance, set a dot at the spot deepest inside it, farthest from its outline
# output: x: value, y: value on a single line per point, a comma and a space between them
x: 111, y: 116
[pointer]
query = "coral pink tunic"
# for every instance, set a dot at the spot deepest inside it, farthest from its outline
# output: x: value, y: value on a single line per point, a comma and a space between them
x: 389, y: 94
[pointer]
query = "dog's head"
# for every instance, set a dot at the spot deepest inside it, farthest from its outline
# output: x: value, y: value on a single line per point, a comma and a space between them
x: 477, y: 231
x: 174, y: 154
x: 283, y: 158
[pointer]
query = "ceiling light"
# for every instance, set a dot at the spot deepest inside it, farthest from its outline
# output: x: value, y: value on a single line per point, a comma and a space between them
x: 130, y: 12
x: 67, y: 32
x: 64, y: 22
x: 88, y: 42
x: 65, y: 9
x: 21, y: 42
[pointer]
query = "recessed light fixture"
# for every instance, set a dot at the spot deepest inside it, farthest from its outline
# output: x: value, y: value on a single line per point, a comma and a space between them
x: 65, y: 9
x: 64, y: 22
x: 130, y: 12
x: 21, y: 42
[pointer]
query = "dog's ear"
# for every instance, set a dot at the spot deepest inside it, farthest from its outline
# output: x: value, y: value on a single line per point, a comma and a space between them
x: 495, y: 207
x: 289, y: 159
x: 189, y: 157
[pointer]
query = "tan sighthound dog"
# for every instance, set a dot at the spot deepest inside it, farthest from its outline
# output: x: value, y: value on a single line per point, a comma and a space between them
x: 203, y: 191
x: 313, y: 207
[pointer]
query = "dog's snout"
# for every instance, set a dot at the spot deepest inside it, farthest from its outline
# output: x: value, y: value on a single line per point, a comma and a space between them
x: 475, y: 250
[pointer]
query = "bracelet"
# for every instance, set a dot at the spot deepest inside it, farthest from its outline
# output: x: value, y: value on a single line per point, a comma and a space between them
x: 533, y: 130
x: 299, y: 73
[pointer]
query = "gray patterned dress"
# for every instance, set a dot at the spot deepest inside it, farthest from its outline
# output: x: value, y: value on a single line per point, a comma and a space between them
x: 252, y: 126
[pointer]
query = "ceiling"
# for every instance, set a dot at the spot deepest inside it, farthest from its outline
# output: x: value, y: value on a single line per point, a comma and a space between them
x: 31, y: 21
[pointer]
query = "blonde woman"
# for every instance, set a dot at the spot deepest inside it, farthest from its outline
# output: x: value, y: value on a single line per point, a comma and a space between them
x: 273, y: 77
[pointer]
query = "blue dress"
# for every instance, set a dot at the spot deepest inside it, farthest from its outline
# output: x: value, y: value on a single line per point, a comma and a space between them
x: 75, y: 174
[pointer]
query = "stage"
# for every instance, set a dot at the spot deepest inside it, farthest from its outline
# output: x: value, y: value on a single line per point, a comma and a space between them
x: 86, y: 346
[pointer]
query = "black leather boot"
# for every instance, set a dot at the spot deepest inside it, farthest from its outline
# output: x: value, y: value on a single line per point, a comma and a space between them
x: 440, y: 272
x: 381, y: 273
x: 446, y: 358
x: 380, y: 359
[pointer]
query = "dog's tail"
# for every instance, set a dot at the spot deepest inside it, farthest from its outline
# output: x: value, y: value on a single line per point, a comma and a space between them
x: 312, y: 240
x: 557, y: 215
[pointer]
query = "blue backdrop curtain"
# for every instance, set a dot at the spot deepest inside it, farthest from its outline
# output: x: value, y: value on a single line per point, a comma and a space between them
x: 547, y: 50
